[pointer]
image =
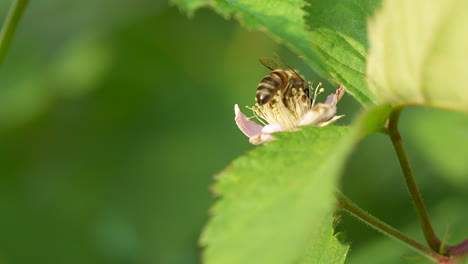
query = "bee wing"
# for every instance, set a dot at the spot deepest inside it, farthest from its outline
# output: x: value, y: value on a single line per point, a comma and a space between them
x: 270, y: 63
x: 290, y: 68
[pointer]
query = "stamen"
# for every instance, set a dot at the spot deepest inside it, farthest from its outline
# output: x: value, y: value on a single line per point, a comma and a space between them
x: 317, y: 92
x: 257, y: 114
x: 284, y: 110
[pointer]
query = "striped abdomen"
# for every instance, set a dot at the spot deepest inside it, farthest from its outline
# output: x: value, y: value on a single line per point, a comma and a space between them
x: 275, y: 81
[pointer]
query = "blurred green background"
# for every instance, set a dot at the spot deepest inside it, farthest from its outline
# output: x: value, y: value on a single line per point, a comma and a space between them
x: 116, y: 115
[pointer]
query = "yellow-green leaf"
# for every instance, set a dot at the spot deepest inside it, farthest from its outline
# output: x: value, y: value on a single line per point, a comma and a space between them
x: 418, y: 53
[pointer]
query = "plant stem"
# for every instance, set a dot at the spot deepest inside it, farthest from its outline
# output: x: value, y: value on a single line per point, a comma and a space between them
x: 423, y: 216
x: 362, y: 215
x: 9, y: 26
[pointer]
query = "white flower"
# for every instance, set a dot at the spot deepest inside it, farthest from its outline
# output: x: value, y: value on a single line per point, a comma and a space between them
x: 287, y: 114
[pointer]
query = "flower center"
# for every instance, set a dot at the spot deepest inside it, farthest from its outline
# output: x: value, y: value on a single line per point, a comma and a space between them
x: 287, y: 110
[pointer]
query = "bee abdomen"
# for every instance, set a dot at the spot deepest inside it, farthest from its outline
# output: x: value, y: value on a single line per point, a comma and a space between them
x: 269, y: 85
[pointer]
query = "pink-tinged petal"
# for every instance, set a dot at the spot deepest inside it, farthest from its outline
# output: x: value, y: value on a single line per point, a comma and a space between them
x: 331, y: 121
x: 249, y: 128
x: 266, y: 136
x: 316, y: 115
x: 261, y: 138
x: 272, y: 128
x: 333, y: 99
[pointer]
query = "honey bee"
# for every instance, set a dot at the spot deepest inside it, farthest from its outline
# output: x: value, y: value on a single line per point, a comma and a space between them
x: 278, y: 79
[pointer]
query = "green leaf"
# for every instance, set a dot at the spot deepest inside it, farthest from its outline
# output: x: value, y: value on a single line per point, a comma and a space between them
x: 418, y: 53
x: 327, y: 51
x: 326, y: 247
x: 276, y: 201
x: 338, y: 32
x: 372, y: 120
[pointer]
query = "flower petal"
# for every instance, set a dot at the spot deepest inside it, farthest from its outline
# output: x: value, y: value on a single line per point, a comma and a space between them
x: 272, y: 128
x: 248, y: 127
x: 261, y: 138
x: 331, y: 121
x: 318, y: 114
x: 333, y: 99
x: 266, y: 136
